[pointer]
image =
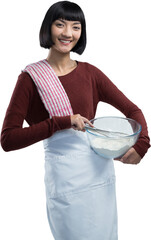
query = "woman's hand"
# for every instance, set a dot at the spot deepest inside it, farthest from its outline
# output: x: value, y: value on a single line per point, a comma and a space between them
x: 78, y: 122
x: 131, y: 157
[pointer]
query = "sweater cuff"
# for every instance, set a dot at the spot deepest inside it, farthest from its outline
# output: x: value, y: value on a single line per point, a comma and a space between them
x: 62, y: 122
x: 141, y: 148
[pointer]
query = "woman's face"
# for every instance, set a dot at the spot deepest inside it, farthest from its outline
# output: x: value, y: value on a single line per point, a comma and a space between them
x: 65, y: 34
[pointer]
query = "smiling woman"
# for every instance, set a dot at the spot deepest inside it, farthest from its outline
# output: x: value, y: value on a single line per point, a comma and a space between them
x: 57, y: 96
x: 63, y: 11
x: 65, y: 35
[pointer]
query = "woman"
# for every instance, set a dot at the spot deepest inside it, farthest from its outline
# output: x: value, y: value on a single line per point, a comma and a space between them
x: 58, y: 96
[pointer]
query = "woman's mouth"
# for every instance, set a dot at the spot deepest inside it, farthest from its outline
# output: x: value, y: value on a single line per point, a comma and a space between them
x: 65, y: 42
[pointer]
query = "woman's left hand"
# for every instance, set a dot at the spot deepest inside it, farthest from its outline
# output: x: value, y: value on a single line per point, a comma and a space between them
x: 131, y: 157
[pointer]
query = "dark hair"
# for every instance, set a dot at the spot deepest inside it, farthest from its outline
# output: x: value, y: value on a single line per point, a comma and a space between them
x: 68, y: 11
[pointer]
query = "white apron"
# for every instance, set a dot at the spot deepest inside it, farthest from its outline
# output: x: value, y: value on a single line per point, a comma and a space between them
x: 80, y: 189
x: 80, y: 185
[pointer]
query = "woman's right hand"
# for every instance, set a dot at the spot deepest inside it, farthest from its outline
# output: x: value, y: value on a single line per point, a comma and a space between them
x: 78, y: 122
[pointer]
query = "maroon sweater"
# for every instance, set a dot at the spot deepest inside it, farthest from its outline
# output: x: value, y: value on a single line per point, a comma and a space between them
x: 85, y: 86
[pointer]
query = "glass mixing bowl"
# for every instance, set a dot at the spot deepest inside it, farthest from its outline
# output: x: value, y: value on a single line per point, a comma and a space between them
x: 123, y: 134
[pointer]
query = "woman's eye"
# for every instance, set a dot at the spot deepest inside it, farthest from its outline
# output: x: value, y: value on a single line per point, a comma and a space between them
x: 76, y: 28
x: 59, y: 25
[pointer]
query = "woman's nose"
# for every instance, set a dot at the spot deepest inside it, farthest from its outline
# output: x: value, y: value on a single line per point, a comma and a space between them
x: 67, y: 32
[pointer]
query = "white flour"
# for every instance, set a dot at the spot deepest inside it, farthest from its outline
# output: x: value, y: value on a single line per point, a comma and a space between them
x: 112, y: 148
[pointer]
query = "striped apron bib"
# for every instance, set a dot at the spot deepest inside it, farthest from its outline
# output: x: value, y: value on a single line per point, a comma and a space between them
x: 80, y: 185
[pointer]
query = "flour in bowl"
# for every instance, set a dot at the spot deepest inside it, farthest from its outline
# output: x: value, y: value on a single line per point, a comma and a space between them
x: 112, y: 148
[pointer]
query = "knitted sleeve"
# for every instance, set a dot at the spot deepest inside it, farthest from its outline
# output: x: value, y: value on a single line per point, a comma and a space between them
x: 14, y: 135
x: 110, y: 94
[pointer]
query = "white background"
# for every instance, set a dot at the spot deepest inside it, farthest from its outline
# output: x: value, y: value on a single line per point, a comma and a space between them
x: 119, y: 43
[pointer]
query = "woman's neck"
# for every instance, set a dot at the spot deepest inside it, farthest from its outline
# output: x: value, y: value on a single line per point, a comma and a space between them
x: 61, y: 62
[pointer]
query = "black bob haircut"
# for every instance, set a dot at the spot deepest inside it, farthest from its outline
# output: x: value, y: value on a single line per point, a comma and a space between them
x: 68, y: 11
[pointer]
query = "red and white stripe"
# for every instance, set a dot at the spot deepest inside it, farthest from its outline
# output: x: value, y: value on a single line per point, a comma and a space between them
x: 50, y: 89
